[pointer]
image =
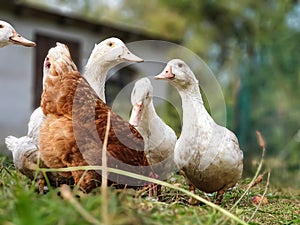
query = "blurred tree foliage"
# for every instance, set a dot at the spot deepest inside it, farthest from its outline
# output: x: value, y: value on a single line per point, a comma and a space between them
x: 253, y: 48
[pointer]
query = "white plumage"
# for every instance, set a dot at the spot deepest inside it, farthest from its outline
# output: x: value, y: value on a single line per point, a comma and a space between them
x: 106, y: 55
x: 159, y: 138
x: 22, y: 148
x: 8, y: 35
x: 208, y: 153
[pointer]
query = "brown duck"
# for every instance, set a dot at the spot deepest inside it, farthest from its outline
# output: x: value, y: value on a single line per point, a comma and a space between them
x: 73, y: 131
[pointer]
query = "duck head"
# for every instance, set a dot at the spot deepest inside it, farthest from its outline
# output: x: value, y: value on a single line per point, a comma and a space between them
x: 110, y: 53
x: 8, y: 35
x: 178, y: 73
x: 141, y: 96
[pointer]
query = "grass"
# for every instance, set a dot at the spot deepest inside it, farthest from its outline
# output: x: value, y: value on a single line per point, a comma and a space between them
x: 21, y: 204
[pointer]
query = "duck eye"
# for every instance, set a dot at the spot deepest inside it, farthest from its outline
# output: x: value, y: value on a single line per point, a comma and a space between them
x: 1, y: 25
x: 110, y: 44
x: 180, y: 65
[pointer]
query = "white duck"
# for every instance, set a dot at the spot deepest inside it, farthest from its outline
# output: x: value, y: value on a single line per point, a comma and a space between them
x: 8, y: 35
x: 105, y: 55
x: 158, y: 137
x: 208, y: 153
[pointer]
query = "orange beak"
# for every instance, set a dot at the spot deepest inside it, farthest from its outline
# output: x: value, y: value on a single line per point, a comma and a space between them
x: 136, y: 114
x: 166, y: 74
x: 19, y: 40
x: 129, y: 56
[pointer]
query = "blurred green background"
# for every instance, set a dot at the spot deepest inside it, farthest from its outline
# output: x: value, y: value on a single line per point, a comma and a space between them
x: 252, y: 47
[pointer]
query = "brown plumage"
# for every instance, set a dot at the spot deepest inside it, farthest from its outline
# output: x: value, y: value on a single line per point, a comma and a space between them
x: 74, y: 129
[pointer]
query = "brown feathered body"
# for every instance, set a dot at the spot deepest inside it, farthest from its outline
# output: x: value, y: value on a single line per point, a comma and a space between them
x: 75, y: 125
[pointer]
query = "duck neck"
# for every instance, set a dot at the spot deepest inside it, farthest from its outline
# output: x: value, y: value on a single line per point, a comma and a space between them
x: 193, y: 108
x: 148, y: 114
x: 95, y: 74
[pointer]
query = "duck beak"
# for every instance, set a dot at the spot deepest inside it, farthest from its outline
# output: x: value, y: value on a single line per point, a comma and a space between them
x: 136, y: 114
x: 129, y: 56
x: 19, y: 40
x: 166, y: 74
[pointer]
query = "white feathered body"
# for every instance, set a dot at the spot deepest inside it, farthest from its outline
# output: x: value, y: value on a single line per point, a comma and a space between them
x: 25, y: 154
x: 36, y: 119
x: 159, y: 138
x: 209, y: 154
